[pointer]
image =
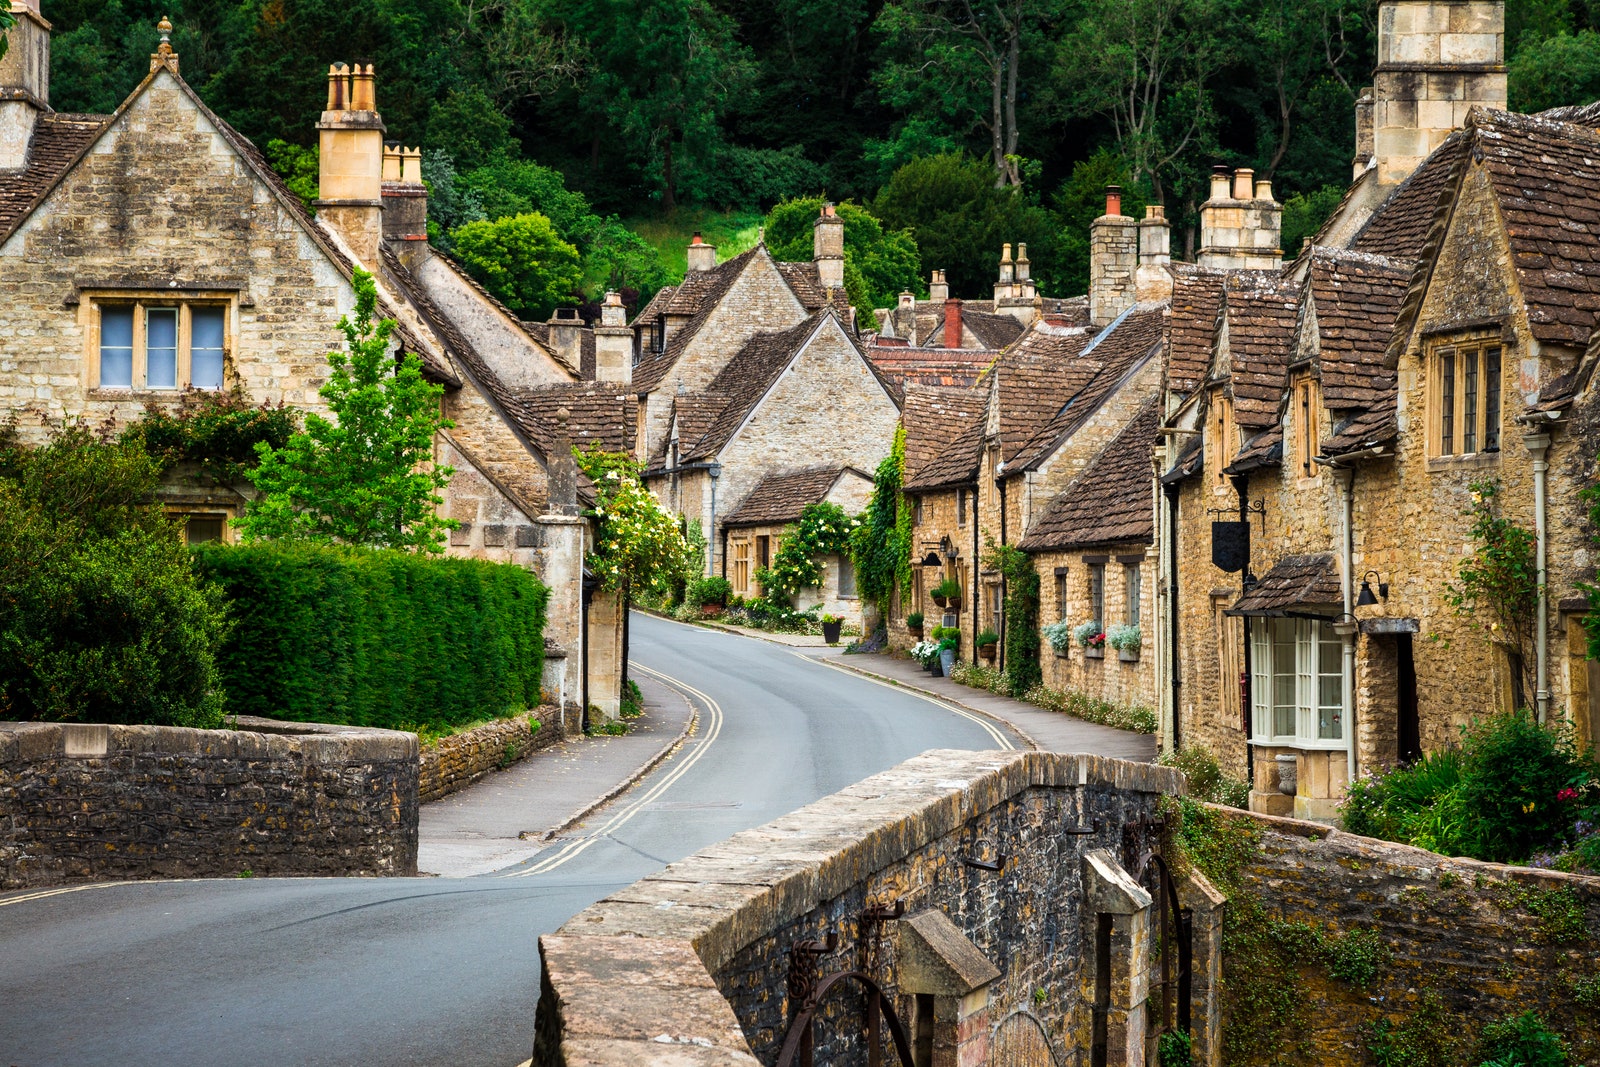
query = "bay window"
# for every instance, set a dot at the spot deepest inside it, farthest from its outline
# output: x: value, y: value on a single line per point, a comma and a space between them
x: 1296, y: 683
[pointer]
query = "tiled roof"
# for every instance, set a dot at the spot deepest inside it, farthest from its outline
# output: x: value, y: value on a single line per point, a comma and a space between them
x: 993, y: 332
x: 1294, y: 582
x: 693, y: 413
x: 1110, y: 501
x: 744, y: 381
x: 1399, y: 227
x: 934, y: 416
x: 956, y: 367
x: 601, y: 415
x: 1376, y: 425
x: 1261, y: 317
x: 697, y: 297
x: 1190, y: 461
x: 780, y: 498
x: 1356, y: 298
x: 540, y: 332
x: 1265, y: 449
x: 1093, y: 376
x: 1034, y: 380
x: 1192, y: 324
x: 58, y: 140
x: 807, y: 286
x: 955, y: 463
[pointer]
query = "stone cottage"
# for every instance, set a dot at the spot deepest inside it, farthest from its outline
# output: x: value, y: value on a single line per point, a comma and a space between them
x: 150, y: 254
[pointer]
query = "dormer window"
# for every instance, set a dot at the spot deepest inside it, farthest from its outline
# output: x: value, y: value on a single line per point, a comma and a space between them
x: 1464, y: 397
x: 658, y: 334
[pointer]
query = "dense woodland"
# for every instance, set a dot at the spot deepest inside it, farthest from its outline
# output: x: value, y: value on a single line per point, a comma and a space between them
x: 558, y: 131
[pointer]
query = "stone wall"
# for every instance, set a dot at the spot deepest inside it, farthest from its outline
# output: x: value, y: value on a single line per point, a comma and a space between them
x: 1486, y: 940
x: 990, y: 907
x: 83, y: 802
x: 455, y: 762
x: 1121, y: 678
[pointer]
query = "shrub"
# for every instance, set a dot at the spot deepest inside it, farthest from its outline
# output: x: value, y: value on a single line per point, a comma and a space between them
x: 712, y: 590
x: 376, y: 637
x: 1059, y: 634
x: 102, y: 617
x: 1124, y: 638
x: 987, y: 637
x: 914, y: 620
x: 1206, y: 778
x: 1522, y: 1041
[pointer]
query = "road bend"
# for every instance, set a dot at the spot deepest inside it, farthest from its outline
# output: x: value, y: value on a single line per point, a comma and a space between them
x: 431, y: 971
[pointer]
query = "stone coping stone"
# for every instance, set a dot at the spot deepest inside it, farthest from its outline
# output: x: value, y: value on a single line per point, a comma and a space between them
x: 251, y: 738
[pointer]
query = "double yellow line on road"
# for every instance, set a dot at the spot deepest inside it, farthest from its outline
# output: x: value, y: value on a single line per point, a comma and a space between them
x: 999, y: 737
x: 572, y: 849
x: 43, y: 893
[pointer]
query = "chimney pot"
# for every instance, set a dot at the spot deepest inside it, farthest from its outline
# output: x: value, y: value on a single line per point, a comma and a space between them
x: 1244, y: 183
x: 1264, y: 189
x: 1219, y: 182
x: 1113, y: 200
x: 701, y: 256
x: 938, y: 289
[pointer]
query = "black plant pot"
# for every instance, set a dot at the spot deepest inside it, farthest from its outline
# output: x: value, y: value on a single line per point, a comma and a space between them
x: 830, y: 632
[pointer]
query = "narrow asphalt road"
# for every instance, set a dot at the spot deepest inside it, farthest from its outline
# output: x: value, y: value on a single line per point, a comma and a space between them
x: 430, y: 971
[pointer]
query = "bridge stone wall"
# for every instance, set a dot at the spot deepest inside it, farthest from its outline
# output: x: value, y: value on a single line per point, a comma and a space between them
x: 86, y: 802
x: 692, y: 965
x: 452, y: 763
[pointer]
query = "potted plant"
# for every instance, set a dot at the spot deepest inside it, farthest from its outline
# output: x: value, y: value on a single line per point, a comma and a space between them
x: 1059, y: 634
x: 926, y: 653
x: 949, y: 647
x: 1092, y: 637
x: 914, y: 624
x: 987, y: 643
x: 947, y: 594
x: 1126, y: 639
x: 831, y: 624
x: 711, y: 594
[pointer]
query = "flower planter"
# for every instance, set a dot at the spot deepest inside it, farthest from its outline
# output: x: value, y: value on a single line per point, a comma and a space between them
x: 986, y: 653
x: 947, y: 661
x: 1090, y: 652
x: 1127, y: 655
x: 935, y: 668
x: 953, y: 603
x: 830, y: 632
x: 939, y: 600
x: 915, y: 632
x: 710, y: 611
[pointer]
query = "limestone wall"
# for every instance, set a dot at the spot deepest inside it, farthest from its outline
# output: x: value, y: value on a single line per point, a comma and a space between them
x: 1486, y: 940
x: 1125, y: 678
x: 83, y: 802
x: 455, y: 762
x: 976, y: 840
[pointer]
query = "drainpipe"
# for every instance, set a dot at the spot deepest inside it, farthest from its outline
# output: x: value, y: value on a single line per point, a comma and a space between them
x: 972, y: 586
x: 1000, y: 481
x: 1346, y: 477
x: 1538, y: 445
x: 715, y: 470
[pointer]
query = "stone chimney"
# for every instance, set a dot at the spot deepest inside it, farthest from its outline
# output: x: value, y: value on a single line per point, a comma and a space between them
x: 1240, y: 226
x: 405, y: 203
x: 827, y: 247
x: 1023, y: 304
x: 701, y: 255
x: 566, y: 337
x: 24, y: 83
x: 938, y: 288
x: 1437, y: 59
x: 1113, y: 261
x: 1363, y: 158
x: 350, y: 178
x: 613, y: 343
x: 952, y: 320
x: 1153, y: 280
x: 1003, y: 286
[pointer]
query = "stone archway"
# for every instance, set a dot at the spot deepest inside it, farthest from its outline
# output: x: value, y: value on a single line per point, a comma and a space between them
x: 1020, y: 1040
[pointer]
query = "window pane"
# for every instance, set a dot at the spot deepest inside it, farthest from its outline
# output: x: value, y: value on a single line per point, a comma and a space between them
x: 1447, y: 403
x: 202, y: 529
x: 1283, y: 677
x: 1061, y: 596
x: 1469, y: 401
x: 1131, y: 572
x: 116, y: 347
x: 847, y: 577
x: 161, y: 348
x: 1331, y: 654
x: 205, y: 348
x: 1491, y: 399
x: 1097, y: 591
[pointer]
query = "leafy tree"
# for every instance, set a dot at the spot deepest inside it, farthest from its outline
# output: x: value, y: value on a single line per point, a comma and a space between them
x: 1304, y: 214
x: 452, y: 202
x: 475, y: 130
x: 298, y: 167
x: 965, y: 58
x: 959, y: 221
x: 638, y: 546
x: 878, y: 263
x: 1560, y: 70
x: 367, y: 478
x: 520, y: 259
x: 1082, y: 199
x: 101, y: 616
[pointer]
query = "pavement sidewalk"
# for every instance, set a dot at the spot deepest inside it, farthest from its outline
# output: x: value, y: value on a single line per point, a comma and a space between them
x: 1049, y: 730
x: 508, y: 816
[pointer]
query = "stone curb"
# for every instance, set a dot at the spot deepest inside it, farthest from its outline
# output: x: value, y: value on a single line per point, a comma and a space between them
x: 627, y: 783
x: 991, y: 716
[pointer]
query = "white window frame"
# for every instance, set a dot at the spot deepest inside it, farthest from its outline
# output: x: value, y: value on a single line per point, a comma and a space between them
x: 141, y: 306
x: 1309, y: 637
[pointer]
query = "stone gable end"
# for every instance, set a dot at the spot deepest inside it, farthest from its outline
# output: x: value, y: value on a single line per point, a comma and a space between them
x: 163, y: 203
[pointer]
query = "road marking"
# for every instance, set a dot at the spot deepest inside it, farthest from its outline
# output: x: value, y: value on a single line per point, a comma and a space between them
x: 1000, y: 739
x: 25, y: 897
x: 576, y: 847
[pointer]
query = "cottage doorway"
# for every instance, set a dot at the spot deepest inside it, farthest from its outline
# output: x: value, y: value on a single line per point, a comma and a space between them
x: 1410, y: 725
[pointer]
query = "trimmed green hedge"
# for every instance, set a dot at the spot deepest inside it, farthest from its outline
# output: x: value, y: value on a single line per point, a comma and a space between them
x: 376, y: 638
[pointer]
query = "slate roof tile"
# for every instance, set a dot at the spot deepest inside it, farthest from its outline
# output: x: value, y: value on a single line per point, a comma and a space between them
x: 780, y: 498
x: 1192, y: 324
x: 1357, y: 298
x: 1110, y: 502
x: 1293, y: 582
x: 935, y: 417
x: 1261, y: 314
x: 58, y: 140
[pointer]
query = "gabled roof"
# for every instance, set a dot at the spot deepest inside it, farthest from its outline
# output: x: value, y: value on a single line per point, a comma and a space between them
x: 600, y: 415
x: 956, y: 463
x: 1260, y: 314
x: 1293, y: 582
x: 540, y: 332
x: 1376, y: 425
x: 993, y: 332
x: 1265, y: 449
x: 1356, y: 298
x: 1033, y: 381
x: 697, y: 297
x: 1399, y: 227
x: 1192, y: 324
x: 933, y: 416
x: 943, y: 367
x: 1111, y: 500
x: 58, y: 142
x: 1096, y: 373
x: 780, y: 498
